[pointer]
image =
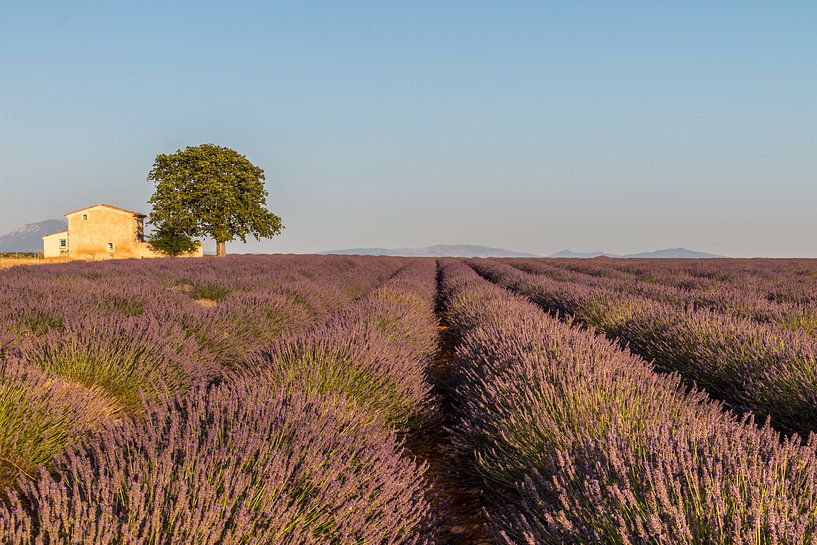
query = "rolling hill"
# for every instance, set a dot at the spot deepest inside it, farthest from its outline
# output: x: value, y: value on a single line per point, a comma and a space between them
x: 439, y: 250
x: 667, y: 253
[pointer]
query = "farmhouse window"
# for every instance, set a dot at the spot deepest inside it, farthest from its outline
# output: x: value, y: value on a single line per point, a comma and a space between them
x: 110, y: 246
x: 85, y: 217
x: 63, y: 243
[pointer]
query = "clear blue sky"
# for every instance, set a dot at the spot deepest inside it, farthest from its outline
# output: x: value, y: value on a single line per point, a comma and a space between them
x: 536, y: 126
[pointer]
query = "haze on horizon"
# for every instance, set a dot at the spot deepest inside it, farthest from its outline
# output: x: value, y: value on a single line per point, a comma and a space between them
x: 623, y: 127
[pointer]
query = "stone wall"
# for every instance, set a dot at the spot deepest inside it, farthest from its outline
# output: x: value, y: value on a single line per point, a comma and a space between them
x: 100, y: 232
x: 51, y: 245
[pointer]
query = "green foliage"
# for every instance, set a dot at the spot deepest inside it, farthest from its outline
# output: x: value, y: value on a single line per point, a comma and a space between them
x: 29, y: 433
x: 40, y: 417
x: 171, y: 241
x: 209, y: 190
x: 807, y: 322
x: 210, y: 292
x: 126, y: 306
x: 36, y: 323
x: 317, y: 370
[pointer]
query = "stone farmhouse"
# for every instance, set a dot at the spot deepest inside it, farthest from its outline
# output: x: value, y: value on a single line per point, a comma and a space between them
x: 102, y: 231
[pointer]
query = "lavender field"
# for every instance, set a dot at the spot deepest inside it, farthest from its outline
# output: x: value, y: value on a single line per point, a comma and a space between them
x: 382, y: 400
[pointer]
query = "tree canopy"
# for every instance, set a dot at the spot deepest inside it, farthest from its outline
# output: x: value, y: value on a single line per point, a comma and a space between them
x: 171, y: 242
x: 208, y: 190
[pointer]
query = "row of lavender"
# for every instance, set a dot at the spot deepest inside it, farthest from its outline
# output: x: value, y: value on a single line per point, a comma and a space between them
x: 758, y: 368
x: 298, y: 445
x: 778, y: 292
x: 777, y: 280
x: 582, y: 442
x: 83, y: 344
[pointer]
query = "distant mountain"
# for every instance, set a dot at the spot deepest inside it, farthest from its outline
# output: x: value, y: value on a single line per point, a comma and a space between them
x: 439, y: 250
x: 580, y: 255
x: 29, y: 238
x: 668, y: 253
x: 674, y: 253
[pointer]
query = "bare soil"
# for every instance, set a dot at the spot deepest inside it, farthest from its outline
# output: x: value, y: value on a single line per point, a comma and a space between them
x: 458, y: 496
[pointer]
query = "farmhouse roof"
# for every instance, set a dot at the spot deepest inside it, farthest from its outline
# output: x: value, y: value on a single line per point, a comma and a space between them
x: 57, y: 233
x: 125, y: 210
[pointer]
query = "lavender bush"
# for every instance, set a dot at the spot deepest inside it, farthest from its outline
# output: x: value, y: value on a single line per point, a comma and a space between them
x: 753, y: 367
x: 40, y: 416
x: 234, y: 464
x: 750, y: 289
x: 84, y: 343
x: 764, y: 370
x: 127, y: 358
x: 375, y: 353
x: 582, y: 442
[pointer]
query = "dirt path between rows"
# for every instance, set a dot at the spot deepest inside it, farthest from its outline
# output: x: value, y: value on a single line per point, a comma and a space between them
x: 459, y: 496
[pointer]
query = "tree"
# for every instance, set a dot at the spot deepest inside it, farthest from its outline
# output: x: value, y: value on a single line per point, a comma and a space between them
x: 172, y: 242
x: 210, y: 190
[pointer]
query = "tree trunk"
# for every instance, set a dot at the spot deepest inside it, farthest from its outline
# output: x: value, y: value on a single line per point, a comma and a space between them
x: 221, y: 249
